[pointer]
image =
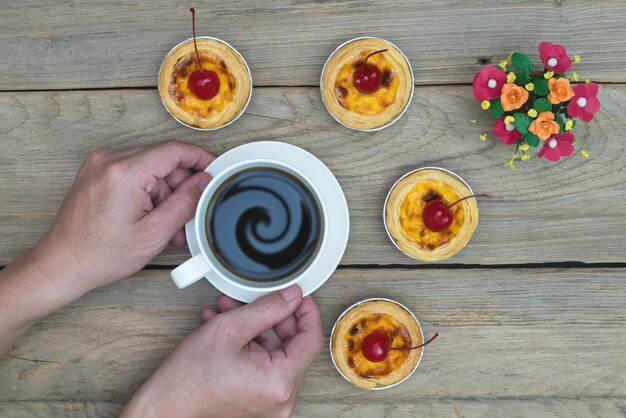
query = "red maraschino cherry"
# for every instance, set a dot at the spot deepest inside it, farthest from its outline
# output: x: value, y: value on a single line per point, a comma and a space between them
x: 437, y: 216
x: 204, y: 84
x: 367, y: 77
x: 375, y: 346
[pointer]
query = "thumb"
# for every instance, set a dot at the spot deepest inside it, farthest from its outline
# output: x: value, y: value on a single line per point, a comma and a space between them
x: 262, y: 314
x: 179, y: 208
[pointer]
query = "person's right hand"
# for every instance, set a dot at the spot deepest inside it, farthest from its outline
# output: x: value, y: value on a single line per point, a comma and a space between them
x: 244, y: 361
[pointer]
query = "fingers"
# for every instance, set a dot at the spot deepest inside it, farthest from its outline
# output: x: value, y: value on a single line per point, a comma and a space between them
x: 287, y: 328
x: 252, y: 319
x: 307, y: 344
x: 173, y: 181
x: 159, y: 192
x: 283, y: 330
x: 161, y: 160
x: 207, y: 314
x: 268, y: 339
x: 179, y: 237
x: 226, y: 303
x: 179, y: 208
x: 177, y: 176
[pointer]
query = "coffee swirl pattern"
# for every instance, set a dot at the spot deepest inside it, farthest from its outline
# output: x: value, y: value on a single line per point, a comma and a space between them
x: 264, y: 224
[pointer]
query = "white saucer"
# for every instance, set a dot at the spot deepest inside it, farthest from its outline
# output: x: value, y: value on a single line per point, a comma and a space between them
x: 332, y: 195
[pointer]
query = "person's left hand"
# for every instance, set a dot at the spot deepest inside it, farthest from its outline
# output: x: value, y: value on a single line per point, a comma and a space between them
x: 121, y: 211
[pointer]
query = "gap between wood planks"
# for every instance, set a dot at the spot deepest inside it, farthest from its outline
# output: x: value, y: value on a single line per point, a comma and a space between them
x: 457, y: 266
x: 323, y: 399
x: 265, y: 86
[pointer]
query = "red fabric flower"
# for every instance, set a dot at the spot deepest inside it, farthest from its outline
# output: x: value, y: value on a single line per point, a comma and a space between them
x: 507, y: 133
x: 584, y: 103
x: 558, y: 146
x: 488, y: 83
x: 554, y: 57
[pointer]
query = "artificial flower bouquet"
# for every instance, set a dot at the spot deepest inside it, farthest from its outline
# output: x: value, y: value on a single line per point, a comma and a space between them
x: 532, y: 108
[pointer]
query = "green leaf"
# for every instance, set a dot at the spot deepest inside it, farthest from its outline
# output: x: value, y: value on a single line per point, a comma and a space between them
x: 496, y: 109
x: 521, y: 62
x: 561, y: 123
x: 541, y: 86
x: 569, y: 116
x: 521, y: 123
x: 531, y: 139
x: 542, y: 105
x: 523, y: 66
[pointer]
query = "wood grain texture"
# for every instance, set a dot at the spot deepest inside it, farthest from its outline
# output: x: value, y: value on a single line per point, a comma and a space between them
x: 541, y: 212
x: 85, y: 44
x: 479, y: 408
x: 514, y: 342
x: 61, y: 409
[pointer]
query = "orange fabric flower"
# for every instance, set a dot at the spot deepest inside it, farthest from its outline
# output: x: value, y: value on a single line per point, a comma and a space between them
x: 513, y: 97
x: 560, y: 90
x: 544, y: 126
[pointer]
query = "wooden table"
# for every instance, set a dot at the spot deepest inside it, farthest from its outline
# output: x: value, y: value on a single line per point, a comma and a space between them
x: 532, y: 313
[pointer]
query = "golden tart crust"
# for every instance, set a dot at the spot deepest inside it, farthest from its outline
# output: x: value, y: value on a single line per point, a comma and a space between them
x: 233, y: 73
x: 376, y: 316
x: 366, y: 111
x: 403, y: 214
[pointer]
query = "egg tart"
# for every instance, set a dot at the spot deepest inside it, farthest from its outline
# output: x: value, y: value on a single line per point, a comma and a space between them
x: 232, y: 96
x: 379, y: 106
x: 376, y: 316
x: 404, y: 209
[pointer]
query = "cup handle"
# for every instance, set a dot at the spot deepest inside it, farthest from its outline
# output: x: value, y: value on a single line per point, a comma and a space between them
x: 190, y: 271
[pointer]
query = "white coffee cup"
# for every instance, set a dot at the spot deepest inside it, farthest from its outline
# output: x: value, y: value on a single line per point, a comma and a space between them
x: 206, y: 263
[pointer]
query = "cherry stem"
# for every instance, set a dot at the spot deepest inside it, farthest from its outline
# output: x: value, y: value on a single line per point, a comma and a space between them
x: 468, y: 197
x: 417, y: 346
x: 374, y: 53
x: 193, y: 28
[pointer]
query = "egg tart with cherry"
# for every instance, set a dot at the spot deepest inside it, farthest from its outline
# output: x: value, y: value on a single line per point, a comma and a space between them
x: 367, y: 84
x: 430, y: 214
x: 205, y: 83
x: 376, y: 344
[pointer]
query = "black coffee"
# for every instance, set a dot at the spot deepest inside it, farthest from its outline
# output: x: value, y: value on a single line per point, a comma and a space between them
x: 264, y: 224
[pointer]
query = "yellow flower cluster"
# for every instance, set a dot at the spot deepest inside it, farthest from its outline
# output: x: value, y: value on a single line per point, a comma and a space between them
x: 510, y: 77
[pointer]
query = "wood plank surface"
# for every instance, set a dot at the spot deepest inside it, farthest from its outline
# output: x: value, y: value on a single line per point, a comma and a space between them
x: 85, y: 44
x: 519, y: 342
x: 541, y: 212
x: 353, y: 407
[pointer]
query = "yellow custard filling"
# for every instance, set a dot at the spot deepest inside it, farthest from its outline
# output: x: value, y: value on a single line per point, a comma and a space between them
x: 367, y: 104
x: 411, y: 214
x: 186, y: 100
x: 385, y: 324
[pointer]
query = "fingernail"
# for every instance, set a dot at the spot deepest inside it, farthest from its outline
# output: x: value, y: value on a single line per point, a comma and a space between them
x: 289, y: 293
x: 204, y: 181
